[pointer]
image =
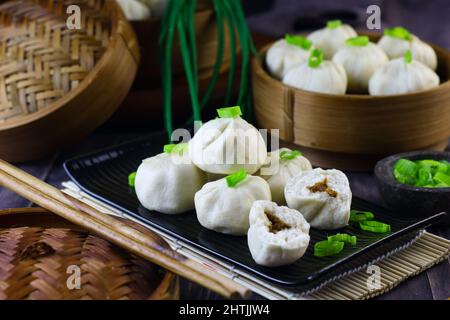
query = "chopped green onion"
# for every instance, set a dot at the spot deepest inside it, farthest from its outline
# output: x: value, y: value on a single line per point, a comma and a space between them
x: 289, y: 155
x: 358, y: 216
x: 298, y: 41
x: 446, y: 163
x: 424, y: 177
x: 408, y: 56
x: 398, y: 32
x: 327, y: 248
x: 333, y: 24
x: 374, y: 226
x: 315, y: 58
x: 231, y: 112
x: 343, y: 237
x: 131, y: 179
x: 442, y: 179
x: 405, y: 171
x: 359, y: 41
x: 176, y: 148
x: 435, y: 166
x: 441, y: 185
x: 236, y: 178
x: 425, y: 173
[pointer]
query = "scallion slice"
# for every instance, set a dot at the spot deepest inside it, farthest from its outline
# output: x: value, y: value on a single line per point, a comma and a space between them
x: 408, y: 56
x: 424, y: 177
x: 398, y: 32
x: 333, y: 24
x: 375, y: 226
x: 327, y: 248
x: 235, y: 178
x: 405, y: 171
x: 315, y: 58
x: 343, y: 237
x: 298, y: 41
x: 358, y: 216
x: 442, y: 179
x: 289, y: 155
x: 231, y: 112
x: 360, y: 41
x: 131, y: 179
x: 179, y: 148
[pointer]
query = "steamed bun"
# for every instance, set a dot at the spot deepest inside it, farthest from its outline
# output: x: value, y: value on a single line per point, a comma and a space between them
x: 227, y: 144
x: 160, y: 182
x: 402, y: 75
x: 278, y: 235
x: 287, y: 164
x: 360, y: 59
x: 322, y: 196
x: 287, y: 53
x: 225, y: 208
x: 397, y: 41
x: 331, y: 38
x: 318, y: 76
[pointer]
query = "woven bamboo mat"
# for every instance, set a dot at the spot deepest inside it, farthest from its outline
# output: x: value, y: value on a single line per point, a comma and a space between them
x: 422, y: 254
x: 410, y: 259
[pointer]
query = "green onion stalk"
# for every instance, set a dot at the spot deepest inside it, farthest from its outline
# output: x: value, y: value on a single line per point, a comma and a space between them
x: 179, y: 19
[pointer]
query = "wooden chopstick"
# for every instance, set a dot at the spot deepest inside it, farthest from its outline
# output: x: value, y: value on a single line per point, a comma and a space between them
x: 149, y: 245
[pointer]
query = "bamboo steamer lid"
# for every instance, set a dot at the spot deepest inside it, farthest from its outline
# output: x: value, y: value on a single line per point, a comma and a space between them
x: 40, y: 251
x: 59, y: 83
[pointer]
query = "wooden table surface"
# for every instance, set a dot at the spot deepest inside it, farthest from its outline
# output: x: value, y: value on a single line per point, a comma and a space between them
x: 432, y: 284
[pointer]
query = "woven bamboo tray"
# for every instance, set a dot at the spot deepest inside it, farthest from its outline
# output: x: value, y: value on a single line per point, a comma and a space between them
x: 57, y: 85
x: 349, y: 131
x: 38, y: 247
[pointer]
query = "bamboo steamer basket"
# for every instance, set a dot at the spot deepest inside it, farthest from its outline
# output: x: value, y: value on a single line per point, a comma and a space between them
x: 38, y: 247
x: 57, y: 85
x: 352, y: 132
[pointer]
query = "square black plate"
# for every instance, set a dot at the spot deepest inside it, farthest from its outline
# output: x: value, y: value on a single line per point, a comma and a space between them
x: 104, y: 175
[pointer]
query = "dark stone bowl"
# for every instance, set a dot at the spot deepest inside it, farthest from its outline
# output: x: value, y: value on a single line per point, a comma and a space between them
x: 410, y: 201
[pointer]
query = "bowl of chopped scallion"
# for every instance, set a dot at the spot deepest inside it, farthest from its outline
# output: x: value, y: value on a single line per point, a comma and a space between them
x: 416, y: 184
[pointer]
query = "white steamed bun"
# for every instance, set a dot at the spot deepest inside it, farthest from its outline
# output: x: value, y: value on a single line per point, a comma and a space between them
x: 360, y: 59
x: 331, y: 38
x: 160, y: 182
x: 281, y: 166
x: 278, y: 235
x: 322, y: 196
x: 228, y: 144
x: 318, y: 76
x: 402, y: 75
x: 397, y: 41
x: 287, y: 53
x: 224, y: 207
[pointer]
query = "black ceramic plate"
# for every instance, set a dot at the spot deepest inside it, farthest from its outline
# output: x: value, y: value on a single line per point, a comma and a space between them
x: 104, y: 175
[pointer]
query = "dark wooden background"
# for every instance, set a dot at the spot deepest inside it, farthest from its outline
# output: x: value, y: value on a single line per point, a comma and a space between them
x: 428, y: 19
